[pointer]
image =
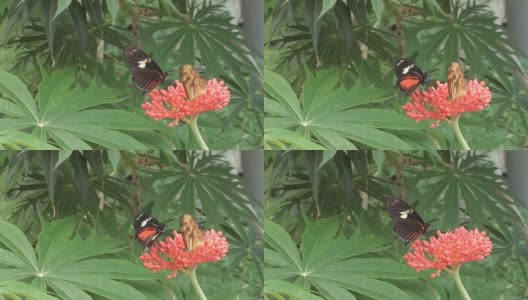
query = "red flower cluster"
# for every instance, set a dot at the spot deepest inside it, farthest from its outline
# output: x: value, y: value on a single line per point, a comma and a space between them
x: 436, y: 103
x: 173, y: 104
x: 172, y: 254
x: 449, y: 249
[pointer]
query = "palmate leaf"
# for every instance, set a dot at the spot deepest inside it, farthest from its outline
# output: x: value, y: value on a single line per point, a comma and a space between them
x: 204, y: 34
x: 511, y: 103
x: 18, y: 140
x: 206, y: 178
x: 471, y: 180
x: 277, y: 288
x: 320, y: 36
x: 13, y: 289
x: 278, y: 138
x: 65, y: 184
x: 472, y: 29
x: 67, y: 264
x: 330, y: 265
x: 333, y: 117
x: 67, y: 115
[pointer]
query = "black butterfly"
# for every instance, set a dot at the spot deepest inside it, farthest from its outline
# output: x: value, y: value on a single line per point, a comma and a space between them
x: 409, y: 76
x: 148, y: 229
x: 407, y: 223
x: 146, y: 73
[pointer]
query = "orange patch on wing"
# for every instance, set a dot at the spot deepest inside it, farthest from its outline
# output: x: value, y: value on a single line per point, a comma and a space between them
x: 409, y: 82
x: 144, y: 234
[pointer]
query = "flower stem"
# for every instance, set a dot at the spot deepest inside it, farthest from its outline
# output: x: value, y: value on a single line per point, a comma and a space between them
x: 458, y: 133
x: 196, y: 286
x: 456, y: 277
x: 193, y: 125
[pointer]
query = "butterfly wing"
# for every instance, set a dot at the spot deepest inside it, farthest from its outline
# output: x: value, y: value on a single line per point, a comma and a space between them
x: 409, y: 76
x: 409, y: 83
x: 193, y: 236
x: 148, y: 230
x: 146, y: 74
x: 408, y: 224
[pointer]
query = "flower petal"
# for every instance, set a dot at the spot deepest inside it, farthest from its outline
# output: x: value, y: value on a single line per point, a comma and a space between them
x: 449, y: 249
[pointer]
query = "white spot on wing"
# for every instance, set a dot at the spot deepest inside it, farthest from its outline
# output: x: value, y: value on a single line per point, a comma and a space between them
x: 145, y: 222
x: 143, y: 63
x: 406, y: 69
x: 404, y: 214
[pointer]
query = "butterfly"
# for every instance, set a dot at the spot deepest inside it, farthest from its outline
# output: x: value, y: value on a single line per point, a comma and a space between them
x: 409, y: 76
x: 148, y: 230
x: 193, y: 236
x: 193, y: 83
x: 456, y: 82
x: 408, y: 225
x: 146, y: 74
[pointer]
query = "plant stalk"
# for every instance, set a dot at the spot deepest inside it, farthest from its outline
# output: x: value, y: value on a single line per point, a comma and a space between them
x: 196, y: 285
x: 193, y: 125
x: 458, y: 133
x: 456, y: 277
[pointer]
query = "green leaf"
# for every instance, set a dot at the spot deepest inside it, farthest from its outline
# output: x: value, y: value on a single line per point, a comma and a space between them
x: 377, y: 7
x: 373, y: 288
x: 104, y: 137
x: 77, y: 99
x: 60, y: 262
x: 94, y: 10
x: 109, y: 268
x: 206, y: 35
x: 313, y: 161
x: 279, y: 240
x: 330, y: 119
x: 66, y: 140
x: 327, y: 155
x: 63, y: 155
x: 10, y: 109
x: 102, y: 286
x: 11, y: 139
x: 317, y: 89
x: 371, y: 267
x: 108, y: 118
x: 115, y: 157
x: 379, y: 118
x: 279, y: 89
x: 47, y: 10
x: 327, y: 5
x: 312, y: 12
x: 329, y: 259
x: 62, y: 5
x: 17, y: 92
x: 10, y: 259
x: 52, y: 239
x: 15, y: 240
x: 52, y: 91
x: 366, y: 135
x: 280, y: 287
x: 49, y: 161
x: 12, y: 288
x: 279, y: 137
x: 332, y: 140
x: 113, y: 8
x: 79, y: 25
x: 68, y: 290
